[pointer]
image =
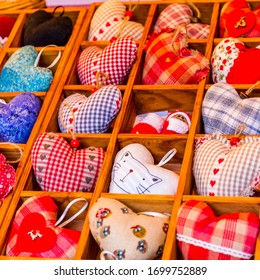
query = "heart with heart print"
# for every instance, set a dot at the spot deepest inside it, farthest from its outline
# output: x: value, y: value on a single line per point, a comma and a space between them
x: 115, y: 60
x: 124, y: 234
x: 134, y: 172
x: 202, y: 235
x: 223, y: 110
x: 177, y: 14
x: 57, y: 167
x: 221, y: 168
x: 109, y: 18
x: 34, y: 233
x: 232, y: 62
x: 237, y: 19
x: 83, y: 112
x: 18, y: 117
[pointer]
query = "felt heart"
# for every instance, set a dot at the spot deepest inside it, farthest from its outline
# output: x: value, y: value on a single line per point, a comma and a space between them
x: 223, y: 169
x: 57, y: 167
x: 134, y: 172
x: 7, y: 177
x: 20, y: 74
x: 6, y: 25
x: 203, y: 236
x: 232, y: 62
x: 223, y: 110
x: 115, y: 60
x: 177, y: 14
x: 42, y: 28
x: 17, y: 117
x: 107, y: 21
x: 238, y: 20
x: 34, y: 233
x: 103, y: 105
x: 165, y: 64
x: 124, y: 234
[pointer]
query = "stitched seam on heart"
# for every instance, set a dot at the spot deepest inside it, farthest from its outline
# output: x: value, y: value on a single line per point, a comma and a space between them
x: 213, y: 247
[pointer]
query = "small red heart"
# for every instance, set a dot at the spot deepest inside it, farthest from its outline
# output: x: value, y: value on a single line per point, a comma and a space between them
x: 220, y: 160
x: 108, y: 24
x: 115, y: 19
x: 71, y: 120
x: 211, y: 194
x: 212, y: 183
x: 94, y: 38
x: 75, y: 110
x: 95, y: 63
x: 101, y: 31
x: 215, y: 171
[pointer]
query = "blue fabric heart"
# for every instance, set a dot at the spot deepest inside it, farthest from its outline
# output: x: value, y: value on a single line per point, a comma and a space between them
x: 17, y: 118
x: 20, y: 74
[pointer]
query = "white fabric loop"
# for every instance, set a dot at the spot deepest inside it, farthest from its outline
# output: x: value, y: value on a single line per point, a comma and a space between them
x: 55, y: 61
x: 168, y: 156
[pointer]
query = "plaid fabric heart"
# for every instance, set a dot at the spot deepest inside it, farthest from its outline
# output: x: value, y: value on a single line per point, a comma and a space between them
x: 103, y: 105
x: 177, y: 14
x: 124, y: 234
x: 223, y: 110
x: 115, y: 60
x: 221, y: 169
x: 107, y: 21
x: 57, y: 167
x: 203, y: 236
x: 34, y: 234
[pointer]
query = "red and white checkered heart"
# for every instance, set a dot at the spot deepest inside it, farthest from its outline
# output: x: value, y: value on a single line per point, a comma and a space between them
x: 34, y: 234
x: 107, y: 21
x: 203, y: 236
x: 115, y: 60
x: 57, y: 167
x: 177, y: 14
x: 223, y: 169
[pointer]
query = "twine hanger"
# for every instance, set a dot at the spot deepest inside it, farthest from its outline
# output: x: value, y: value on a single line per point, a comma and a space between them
x: 239, y: 130
x: 19, y: 149
x: 183, y: 42
x: 194, y: 19
x: 246, y: 94
x: 103, y: 77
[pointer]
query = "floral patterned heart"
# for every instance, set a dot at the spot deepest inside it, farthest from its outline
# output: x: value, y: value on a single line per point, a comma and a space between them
x: 221, y: 168
x: 34, y: 233
x: 223, y: 110
x: 203, y: 236
x: 107, y: 21
x: 57, y: 167
x: 115, y: 60
x: 124, y: 234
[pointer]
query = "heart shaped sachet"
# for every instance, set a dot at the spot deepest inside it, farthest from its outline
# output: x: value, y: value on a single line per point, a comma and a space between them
x: 223, y: 169
x: 134, y: 172
x: 18, y: 117
x: 126, y: 235
x: 223, y: 110
x: 115, y: 60
x: 6, y: 25
x: 203, y: 236
x: 57, y: 167
x: 107, y: 21
x: 34, y: 233
x: 103, y: 105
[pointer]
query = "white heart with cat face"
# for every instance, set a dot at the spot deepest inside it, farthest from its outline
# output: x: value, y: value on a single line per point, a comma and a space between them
x: 134, y: 172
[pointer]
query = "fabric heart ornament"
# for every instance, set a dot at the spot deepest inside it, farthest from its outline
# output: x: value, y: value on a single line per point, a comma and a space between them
x: 92, y: 114
x: 42, y: 28
x: 21, y: 72
x: 177, y: 14
x: 203, y: 236
x: 166, y: 63
x: 115, y: 60
x: 57, y: 167
x: 35, y: 231
x: 18, y: 117
x: 221, y: 168
x: 134, y: 172
x: 125, y: 235
x: 232, y: 62
x: 6, y: 25
x: 238, y: 20
x: 108, y: 20
x: 223, y: 110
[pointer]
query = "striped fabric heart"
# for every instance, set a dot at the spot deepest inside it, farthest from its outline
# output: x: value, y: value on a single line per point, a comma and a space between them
x: 203, y: 236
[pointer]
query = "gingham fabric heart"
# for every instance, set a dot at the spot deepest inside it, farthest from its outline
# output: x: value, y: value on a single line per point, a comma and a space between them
x: 177, y: 14
x: 203, y: 236
x: 34, y: 234
x: 103, y: 105
x: 125, y: 235
x: 223, y: 110
x: 107, y: 21
x: 223, y: 169
x: 57, y: 167
x: 115, y: 60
